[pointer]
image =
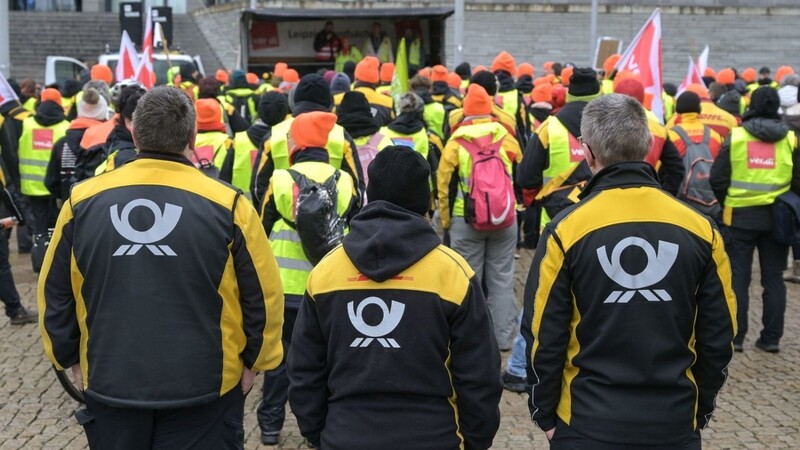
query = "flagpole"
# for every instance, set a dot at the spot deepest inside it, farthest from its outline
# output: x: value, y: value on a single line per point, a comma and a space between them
x: 459, y: 32
x: 5, y: 41
x: 593, y: 33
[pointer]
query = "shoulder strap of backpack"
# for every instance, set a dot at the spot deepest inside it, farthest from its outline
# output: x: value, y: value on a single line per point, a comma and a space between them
x: 706, y: 136
x: 682, y: 134
x: 375, y: 140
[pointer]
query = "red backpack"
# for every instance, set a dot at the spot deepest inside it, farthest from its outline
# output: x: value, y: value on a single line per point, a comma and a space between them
x: 491, y: 203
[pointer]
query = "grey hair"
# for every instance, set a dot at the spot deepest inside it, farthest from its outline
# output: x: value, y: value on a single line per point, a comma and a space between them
x: 790, y: 80
x: 615, y: 128
x: 164, y: 121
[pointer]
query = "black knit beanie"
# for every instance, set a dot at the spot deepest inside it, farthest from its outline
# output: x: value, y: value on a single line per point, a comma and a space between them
x: 463, y: 70
x: 273, y: 108
x: 313, y: 88
x: 583, y: 82
x: 764, y: 102
x: 400, y: 175
x: 688, y: 102
x: 487, y: 80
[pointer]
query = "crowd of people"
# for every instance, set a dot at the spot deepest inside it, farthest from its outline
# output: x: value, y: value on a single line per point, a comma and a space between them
x: 358, y: 246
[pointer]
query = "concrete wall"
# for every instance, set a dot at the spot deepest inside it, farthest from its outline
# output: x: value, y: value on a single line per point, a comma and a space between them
x: 758, y: 35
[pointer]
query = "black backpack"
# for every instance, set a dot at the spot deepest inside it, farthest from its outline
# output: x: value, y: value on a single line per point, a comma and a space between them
x: 697, y: 161
x: 88, y: 160
x: 317, y: 219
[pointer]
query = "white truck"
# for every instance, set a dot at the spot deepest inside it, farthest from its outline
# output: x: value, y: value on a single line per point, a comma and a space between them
x: 59, y: 68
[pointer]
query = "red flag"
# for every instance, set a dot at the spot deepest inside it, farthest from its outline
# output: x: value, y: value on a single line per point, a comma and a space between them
x: 692, y: 77
x: 144, y: 73
x: 643, y: 57
x: 128, y: 59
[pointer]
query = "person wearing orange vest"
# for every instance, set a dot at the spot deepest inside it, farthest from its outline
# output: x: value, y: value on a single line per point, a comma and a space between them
x: 712, y: 115
x: 508, y: 98
x: 663, y: 155
x: 489, y: 253
x: 39, y: 133
x: 758, y: 163
x: 237, y: 168
x: 311, y: 94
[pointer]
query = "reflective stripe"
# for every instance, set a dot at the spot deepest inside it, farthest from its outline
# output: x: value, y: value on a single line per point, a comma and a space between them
x: 284, y: 235
x: 758, y: 186
x: 30, y: 177
x: 33, y: 162
x: 294, y: 264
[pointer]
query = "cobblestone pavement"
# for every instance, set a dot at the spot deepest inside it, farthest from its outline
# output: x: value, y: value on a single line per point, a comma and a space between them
x: 759, y: 408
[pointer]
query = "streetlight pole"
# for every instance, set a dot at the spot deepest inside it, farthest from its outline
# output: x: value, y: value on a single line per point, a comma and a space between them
x: 593, y: 37
x: 459, y: 32
x: 5, y: 40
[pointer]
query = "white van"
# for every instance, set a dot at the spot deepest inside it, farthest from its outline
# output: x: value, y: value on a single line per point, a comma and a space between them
x: 58, y: 68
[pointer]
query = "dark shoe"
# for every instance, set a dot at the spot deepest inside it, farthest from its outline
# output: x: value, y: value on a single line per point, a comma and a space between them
x: 769, y: 348
x: 24, y: 316
x: 738, y: 348
x: 24, y: 251
x: 270, y: 437
x: 514, y: 384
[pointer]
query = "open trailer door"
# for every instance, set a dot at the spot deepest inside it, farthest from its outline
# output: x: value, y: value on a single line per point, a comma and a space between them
x: 272, y: 35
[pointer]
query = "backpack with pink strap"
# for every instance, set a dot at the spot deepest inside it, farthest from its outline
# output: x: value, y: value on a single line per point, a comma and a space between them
x: 491, y: 203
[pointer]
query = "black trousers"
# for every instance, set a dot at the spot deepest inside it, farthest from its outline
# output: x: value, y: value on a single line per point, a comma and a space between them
x: 272, y: 409
x: 772, y: 258
x: 214, y: 426
x: 566, y: 438
x: 8, y: 290
x: 42, y: 214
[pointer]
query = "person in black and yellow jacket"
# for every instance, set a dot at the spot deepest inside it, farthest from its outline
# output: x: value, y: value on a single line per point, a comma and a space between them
x: 367, y: 78
x: 242, y: 97
x: 311, y: 94
x: 440, y: 90
x: 384, y: 354
x: 758, y: 162
x: 12, y: 115
x: 508, y: 97
x: 169, y: 362
x: 308, y: 157
x: 488, y: 82
x: 628, y: 267
x: 237, y: 168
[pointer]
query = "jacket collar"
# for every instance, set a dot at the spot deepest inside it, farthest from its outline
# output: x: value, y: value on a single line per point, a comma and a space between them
x: 622, y: 175
x: 143, y: 154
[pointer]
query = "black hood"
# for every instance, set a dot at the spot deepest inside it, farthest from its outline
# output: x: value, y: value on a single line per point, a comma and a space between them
x: 407, y: 123
x: 49, y: 113
x: 768, y: 130
x: 525, y: 84
x: 441, y: 88
x: 425, y: 95
x: 385, y: 240
x: 730, y: 102
x: 358, y: 123
x: 257, y: 132
x: 570, y: 115
x: 505, y: 81
x: 307, y: 106
x: 120, y: 138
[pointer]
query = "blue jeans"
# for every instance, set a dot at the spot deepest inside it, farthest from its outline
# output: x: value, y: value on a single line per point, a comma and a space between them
x: 517, y: 362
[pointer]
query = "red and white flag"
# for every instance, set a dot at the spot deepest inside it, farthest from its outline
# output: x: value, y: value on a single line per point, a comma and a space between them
x: 128, y: 58
x: 643, y: 57
x: 144, y: 73
x: 696, y: 70
x: 7, y: 94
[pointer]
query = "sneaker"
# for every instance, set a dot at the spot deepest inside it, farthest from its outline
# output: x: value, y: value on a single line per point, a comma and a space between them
x: 513, y: 383
x: 270, y: 437
x: 24, y: 316
x: 769, y: 348
x: 738, y: 348
x: 517, y: 255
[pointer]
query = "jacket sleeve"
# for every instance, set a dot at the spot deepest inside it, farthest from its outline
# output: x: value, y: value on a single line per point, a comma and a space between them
x: 796, y: 171
x: 447, y: 167
x: 237, y: 122
x: 58, y: 321
x: 715, y: 328
x: 672, y: 171
x: 269, y: 212
x: 720, y: 178
x: 262, y: 170
x: 475, y: 363
x: 534, y: 162
x: 260, y: 290
x: 52, y: 178
x: 226, y: 171
x: 308, y: 373
x: 547, y: 313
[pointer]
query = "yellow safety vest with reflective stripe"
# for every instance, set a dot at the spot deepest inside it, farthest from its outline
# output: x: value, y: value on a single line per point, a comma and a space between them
x: 292, y: 262
x: 760, y: 171
x: 342, y: 58
x: 213, y: 146
x: 469, y: 133
x: 385, y: 50
x: 279, y: 146
x: 264, y: 88
x: 510, y: 101
x: 35, y: 147
x: 244, y: 156
x: 419, y: 140
x: 562, y: 154
x: 249, y: 96
x: 669, y: 105
x: 434, y: 115
x: 415, y: 53
x: 30, y: 104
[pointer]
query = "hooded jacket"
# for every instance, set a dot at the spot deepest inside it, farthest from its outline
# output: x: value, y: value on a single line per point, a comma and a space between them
x: 61, y: 169
x: 758, y: 218
x: 10, y: 130
x: 585, y: 314
x: 426, y: 375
